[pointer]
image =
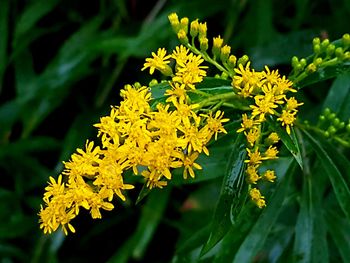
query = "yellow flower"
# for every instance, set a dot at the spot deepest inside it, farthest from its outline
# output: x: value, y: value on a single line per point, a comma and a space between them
x: 292, y: 104
x: 254, y: 157
x: 191, y: 71
x: 176, y: 93
x: 257, y: 198
x: 271, y: 153
x: 272, y: 138
x: 159, y: 61
x: 189, y: 164
x: 252, y: 136
x: 252, y: 174
x: 215, y: 123
x: 287, y: 118
x: 247, y: 123
x: 180, y: 54
x: 271, y: 76
x: 269, y: 175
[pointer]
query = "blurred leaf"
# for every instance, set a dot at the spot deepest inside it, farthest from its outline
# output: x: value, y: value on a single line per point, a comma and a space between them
x: 195, y: 241
x: 151, y: 215
x: 319, y: 237
x: 17, y: 226
x: 323, y: 74
x: 254, y: 241
x: 33, y: 13
x: 9, y: 113
x: 4, y: 30
x: 231, y: 200
x: 339, y: 185
x: 24, y: 73
x: 237, y: 233
x: 339, y: 229
x: 290, y: 141
x: 71, y: 64
x: 280, y: 49
x: 338, y: 98
x: 304, y: 229
x: 142, y: 44
x: 29, y: 145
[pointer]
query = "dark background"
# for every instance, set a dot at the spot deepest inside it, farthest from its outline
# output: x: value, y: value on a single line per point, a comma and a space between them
x: 62, y: 64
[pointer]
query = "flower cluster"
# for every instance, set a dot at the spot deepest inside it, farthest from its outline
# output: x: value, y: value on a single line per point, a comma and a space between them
x: 266, y: 92
x: 150, y: 137
x: 149, y: 141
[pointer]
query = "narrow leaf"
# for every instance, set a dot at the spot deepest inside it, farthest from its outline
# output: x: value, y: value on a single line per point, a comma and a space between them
x: 339, y: 229
x: 339, y: 185
x: 230, y: 195
x: 257, y: 236
x: 290, y: 141
x: 304, y: 226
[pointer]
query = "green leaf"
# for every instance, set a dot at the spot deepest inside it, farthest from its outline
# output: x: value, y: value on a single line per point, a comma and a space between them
x: 339, y: 229
x: 257, y: 236
x: 339, y: 185
x: 230, y: 200
x: 303, y: 242
x: 290, y: 141
x: 319, y: 237
x: 338, y: 98
x: 4, y: 30
x: 31, y: 15
x: 323, y: 74
x: 195, y: 241
x: 151, y: 215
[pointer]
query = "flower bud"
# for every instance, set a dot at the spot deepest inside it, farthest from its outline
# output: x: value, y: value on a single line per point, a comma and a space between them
x: 194, y: 28
x: 317, y: 49
x: 174, y: 21
x: 203, y: 44
x: 339, y: 52
x: 332, y: 130
x: 202, y: 30
x: 311, y: 68
x: 243, y: 60
x: 217, y: 43
x: 303, y: 62
x: 153, y: 82
x: 184, y: 24
x: 318, y: 61
x: 316, y: 41
x: 325, y: 43
x: 346, y: 40
x: 232, y: 61
x: 182, y: 36
x: 225, y: 53
x: 295, y: 61
x: 330, y: 50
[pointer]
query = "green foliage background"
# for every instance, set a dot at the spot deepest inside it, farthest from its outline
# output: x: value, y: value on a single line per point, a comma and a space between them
x: 62, y: 64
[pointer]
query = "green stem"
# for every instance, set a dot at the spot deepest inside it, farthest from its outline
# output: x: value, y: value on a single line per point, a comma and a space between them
x: 320, y: 131
x: 207, y: 58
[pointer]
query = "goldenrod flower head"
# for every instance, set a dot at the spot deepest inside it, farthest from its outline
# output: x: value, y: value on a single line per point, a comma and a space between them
x: 252, y: 136
x: 257, y: 198
x: 189, y: 164
x: 287, y: 118
x: 269, y: 175
x: 292, y: 104
x: 252, y: 174
x: 254, y: 157
x: 217, y: 44
x: 184, y: 24
x: 159, y: 61
x: 180, y: 54
x: 191, y: 71
x: 272, y: 138
x: 247, y: 123
x: 225, y: 53
x: 271, y: 153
